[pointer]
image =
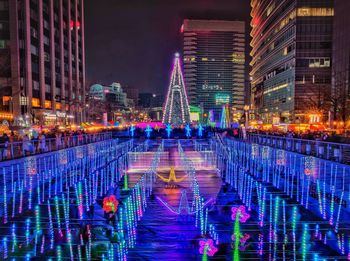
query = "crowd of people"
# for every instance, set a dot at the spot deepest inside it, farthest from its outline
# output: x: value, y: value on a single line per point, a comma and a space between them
x: 16, y: 144
x: 328, y: 136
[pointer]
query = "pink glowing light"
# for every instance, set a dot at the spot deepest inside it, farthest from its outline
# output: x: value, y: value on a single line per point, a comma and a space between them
x: 209, y: 245
x: 244, y: 238
x: 241, y: 211
x: 71, y: 24
x: 153, y: 125
x: 242, y: 241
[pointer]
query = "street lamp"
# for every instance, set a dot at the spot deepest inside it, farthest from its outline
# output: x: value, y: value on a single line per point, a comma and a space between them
x: 246, y: 113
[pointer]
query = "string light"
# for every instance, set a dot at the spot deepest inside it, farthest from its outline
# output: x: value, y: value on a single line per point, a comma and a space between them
x: 37, y: 219
x: 5, y: 247
x: 51, y: 231
x: 304, y: 242
x: 27, y: 231
x: 5, y: 195
x: 58, y: 216
x: 14, y: 199
x: 176, y: 100
x: 59, y: 253
x: 14, y: 237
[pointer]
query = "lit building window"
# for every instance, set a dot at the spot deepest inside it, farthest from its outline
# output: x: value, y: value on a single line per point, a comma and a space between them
x: 47, y: 104
x: 276, y: 88
x: 35, y: 102
x: 5, y: 100
x: 270, y: 8
x: 319, y: 62
x: 314, y: 118
x: 222, y: 98
x: 306, y: 11
x: 286, y: 20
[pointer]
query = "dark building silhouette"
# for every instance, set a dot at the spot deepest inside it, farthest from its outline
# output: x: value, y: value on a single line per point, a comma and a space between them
x: 341, y: 60
x: 42, y: 58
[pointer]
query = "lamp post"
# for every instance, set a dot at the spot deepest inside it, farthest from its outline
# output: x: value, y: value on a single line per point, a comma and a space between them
x: 246, y: 113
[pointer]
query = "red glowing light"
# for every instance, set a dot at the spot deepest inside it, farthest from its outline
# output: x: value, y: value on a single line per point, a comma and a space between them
x: 71, y: 24
x: 255, y: 21
x: 110, y: 203
x: 77, y: 23
x: 307, y: 172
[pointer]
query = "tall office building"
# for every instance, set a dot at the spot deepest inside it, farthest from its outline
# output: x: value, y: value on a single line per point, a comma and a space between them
x: 214, y: 64
x: 42, y: 59
x: 291, y: 58
x: 341, y: 61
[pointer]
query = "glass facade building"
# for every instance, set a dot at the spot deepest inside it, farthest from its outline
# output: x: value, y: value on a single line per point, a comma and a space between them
x: 291, y: 59
x: 214, y: 64
x: 43, y: 44
x: 341, y: 61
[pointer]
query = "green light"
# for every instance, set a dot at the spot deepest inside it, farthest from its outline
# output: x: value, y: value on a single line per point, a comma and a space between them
x: 237, y: 234
x: 126, y: 185
x: 303, y: 242
x: 205, y: 253
x: 222, y: 98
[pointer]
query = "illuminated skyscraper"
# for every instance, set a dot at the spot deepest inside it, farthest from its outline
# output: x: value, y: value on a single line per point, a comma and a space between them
x: 214, y: 64
x: 341, y: 61
x: 42, y: 47
x: 177, y: 110
x: 291, y: 58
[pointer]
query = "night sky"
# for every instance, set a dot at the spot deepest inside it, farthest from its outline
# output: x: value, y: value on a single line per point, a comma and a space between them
x: 133, y: 41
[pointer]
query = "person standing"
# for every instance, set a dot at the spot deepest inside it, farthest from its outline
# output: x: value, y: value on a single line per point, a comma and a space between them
x: 27, y: 145
x: 2, y: 147
x: 58, y: 140
x: 6, y: 145
x: 42, y: 143
x: 35, y: 139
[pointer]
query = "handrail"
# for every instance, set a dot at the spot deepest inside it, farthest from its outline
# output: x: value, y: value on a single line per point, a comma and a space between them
x: 19, y: 149
x: 299, y: 139
x: 333, y: 151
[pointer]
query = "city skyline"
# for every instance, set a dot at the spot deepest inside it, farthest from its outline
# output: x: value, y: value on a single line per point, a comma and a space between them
x: 162, y: 21
x: 174, y: 130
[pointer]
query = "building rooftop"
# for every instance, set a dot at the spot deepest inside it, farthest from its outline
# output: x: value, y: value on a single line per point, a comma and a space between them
x: 213, y: 25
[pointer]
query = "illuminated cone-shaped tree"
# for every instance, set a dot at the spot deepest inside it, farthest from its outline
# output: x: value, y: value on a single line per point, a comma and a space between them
x: 176, y: 111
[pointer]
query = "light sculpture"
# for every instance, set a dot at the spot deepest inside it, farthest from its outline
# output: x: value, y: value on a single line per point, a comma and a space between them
x: 206, y: 246
x: 188, y: 131
x: 176, y: 110
x: 241, y: 213
x: 110, y: 204
x: 148, y: 131
x: 168, y: 130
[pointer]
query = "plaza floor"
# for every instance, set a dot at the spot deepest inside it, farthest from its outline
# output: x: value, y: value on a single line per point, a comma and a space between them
x: 174, y: 195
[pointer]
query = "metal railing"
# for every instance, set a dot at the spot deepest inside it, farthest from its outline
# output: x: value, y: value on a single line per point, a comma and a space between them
x: 18, y: 149
x: 338, y: 152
